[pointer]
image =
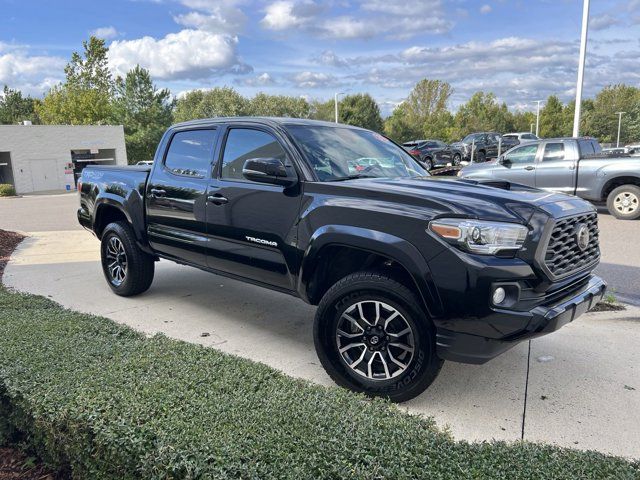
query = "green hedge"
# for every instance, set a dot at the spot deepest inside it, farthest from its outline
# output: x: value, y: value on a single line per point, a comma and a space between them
x: 7, y: 190
x: 97, y: 400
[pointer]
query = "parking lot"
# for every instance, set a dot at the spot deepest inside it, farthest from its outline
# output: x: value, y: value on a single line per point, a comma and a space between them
x: 579, y: 387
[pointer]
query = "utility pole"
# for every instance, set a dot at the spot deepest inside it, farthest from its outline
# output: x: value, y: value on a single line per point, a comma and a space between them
x: 335, y: 102
x: 538, y: 118
x: 583, y: 54
x: 619, y: 125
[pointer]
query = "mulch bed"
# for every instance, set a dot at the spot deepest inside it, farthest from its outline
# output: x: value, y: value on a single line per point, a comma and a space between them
x: 14, y: 464
x: 8, y: 242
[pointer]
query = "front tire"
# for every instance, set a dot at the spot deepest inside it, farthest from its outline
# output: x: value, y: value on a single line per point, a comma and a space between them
x: 456, y: 160
x: 428, y: 163
x: 128, y: 270
x: 372, y: 336
x: 624, y: 202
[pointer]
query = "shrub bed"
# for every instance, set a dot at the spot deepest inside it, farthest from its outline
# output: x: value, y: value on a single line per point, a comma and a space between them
x: 7, y: 190
x: 98, y: 400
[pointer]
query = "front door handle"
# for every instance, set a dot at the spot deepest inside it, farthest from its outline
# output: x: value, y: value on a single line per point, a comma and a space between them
x: 529, y: 167
x: 217, y: 199
x: 158, y: 192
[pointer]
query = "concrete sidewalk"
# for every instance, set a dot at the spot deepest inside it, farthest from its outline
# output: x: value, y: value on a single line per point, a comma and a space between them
x: 583, y: 387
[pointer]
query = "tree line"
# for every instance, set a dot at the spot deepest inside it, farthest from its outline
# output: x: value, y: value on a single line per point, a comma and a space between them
x: 90, y: 95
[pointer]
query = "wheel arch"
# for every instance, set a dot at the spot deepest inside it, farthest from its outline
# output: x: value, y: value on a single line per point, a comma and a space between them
x: 616, y: 182
x: 358, y: 248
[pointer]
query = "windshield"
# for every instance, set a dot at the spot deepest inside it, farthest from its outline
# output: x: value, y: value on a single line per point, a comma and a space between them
x: 470, y: 138
x: 338, y: 153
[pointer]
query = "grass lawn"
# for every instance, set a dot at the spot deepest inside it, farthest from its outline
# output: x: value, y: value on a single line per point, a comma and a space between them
x: 96, y: 399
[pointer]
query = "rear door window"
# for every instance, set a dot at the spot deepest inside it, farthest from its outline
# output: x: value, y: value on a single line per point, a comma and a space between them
x: 586, y: 147
x: 190, y: 153
x: 553, y: 152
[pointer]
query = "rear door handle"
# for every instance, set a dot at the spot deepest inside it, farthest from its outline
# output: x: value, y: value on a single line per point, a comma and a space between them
x: 217, y: 199
x: 529, y: 167
x: 158, y: 192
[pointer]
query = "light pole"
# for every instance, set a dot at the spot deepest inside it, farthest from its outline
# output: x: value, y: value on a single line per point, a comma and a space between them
x: 538, y: 117
x: 531, y: 129
x: 619, y: 125
x: 583, y: 54
x: 335, y: 102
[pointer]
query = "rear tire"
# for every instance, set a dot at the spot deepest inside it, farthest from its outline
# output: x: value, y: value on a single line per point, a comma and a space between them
x: 128, y: 270
x: 396, y: 357
x: 456, y: 160
x: 624, y: 202
x: 428, y: 163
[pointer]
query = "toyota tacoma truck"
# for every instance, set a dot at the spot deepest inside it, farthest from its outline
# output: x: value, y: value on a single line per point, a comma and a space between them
x: 407, y: 270
x: 576, y: 166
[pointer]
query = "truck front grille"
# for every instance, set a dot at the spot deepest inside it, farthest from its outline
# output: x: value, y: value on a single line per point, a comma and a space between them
x: 565, y: 252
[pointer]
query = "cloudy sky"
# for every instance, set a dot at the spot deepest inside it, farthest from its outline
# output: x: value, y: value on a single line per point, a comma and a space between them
x: 522, y: 50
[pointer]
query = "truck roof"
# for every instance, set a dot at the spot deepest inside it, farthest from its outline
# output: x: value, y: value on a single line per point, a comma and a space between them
x: 265, y: 121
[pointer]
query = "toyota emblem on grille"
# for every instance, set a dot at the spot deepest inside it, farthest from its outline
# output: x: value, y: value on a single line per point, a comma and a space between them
x: 582, y: 236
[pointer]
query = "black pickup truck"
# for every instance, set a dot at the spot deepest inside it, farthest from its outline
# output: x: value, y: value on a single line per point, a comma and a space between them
x: 407, y: 270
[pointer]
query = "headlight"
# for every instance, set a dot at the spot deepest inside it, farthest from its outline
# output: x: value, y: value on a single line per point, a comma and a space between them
x: 478, y: 236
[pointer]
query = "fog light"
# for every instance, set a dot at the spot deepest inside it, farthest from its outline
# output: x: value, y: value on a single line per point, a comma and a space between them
x: 499, y: 295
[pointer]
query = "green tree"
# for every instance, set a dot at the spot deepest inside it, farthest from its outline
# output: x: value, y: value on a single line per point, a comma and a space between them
x: 482, y: 113
x: 217, y: 102
x: 144, y: 110
x: 15, y: 108
x: 523, y: 121
x: 323, y: 110
x: 278, y: 106
x: 85, y: 97
x: 90, y: 70
x: 398, y: 127
x: 360, y: 110
x: 552, y: 118
x: 603, y: 123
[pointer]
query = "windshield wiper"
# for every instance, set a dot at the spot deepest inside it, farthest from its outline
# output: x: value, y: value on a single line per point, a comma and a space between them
x: 352, y: 177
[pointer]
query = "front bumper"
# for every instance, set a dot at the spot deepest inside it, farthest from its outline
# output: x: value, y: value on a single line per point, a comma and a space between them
x: 468, y: 348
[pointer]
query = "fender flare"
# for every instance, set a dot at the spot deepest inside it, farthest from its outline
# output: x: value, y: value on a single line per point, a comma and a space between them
x: 133, y: 210
x: 398, y: 249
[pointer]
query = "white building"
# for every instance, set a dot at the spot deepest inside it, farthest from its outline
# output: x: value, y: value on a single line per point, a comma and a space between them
x: 38, y: 158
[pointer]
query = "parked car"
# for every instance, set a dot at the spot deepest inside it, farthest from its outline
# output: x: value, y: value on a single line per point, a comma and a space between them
x: 632, y: 149
x: 575, y: 166
x: 407, y: 270
x: 487, y: 146
x: 518, y: 138
x: 434, y: 153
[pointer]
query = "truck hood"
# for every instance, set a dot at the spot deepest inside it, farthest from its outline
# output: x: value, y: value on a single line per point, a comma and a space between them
x: 484, y: 199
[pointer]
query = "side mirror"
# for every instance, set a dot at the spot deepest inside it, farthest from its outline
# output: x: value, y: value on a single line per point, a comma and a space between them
x: 268, y: 170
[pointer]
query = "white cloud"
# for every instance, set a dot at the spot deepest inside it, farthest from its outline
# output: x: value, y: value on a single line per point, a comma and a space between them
x: 262, y: 80
x: 485, y: 9
x: 347, y: 27
x: 602, y: 22
x: 391, y: 18
x: 188, y: 54
x: 286, y: 14
x: 106, y: 33
x: 33, y: 74
x: 313, y: 80
x: 222, y: 16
